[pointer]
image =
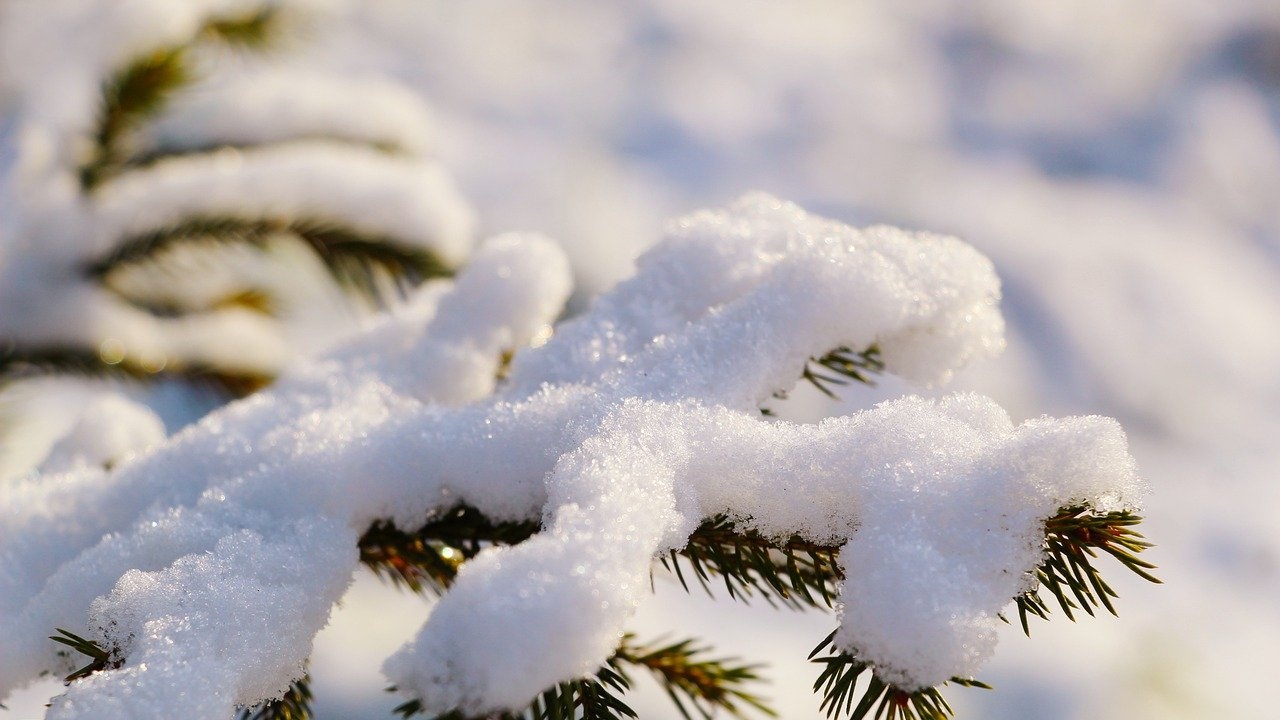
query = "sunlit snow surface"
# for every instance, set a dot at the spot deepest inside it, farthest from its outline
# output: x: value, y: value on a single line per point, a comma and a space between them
x: 213, y: 560
x: 1119, y: 162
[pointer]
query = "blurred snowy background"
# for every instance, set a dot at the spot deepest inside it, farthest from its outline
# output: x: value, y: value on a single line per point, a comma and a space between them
x: 1120, y: 163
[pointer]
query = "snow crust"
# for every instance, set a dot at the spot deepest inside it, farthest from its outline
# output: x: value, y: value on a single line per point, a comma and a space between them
x: 213, y: 560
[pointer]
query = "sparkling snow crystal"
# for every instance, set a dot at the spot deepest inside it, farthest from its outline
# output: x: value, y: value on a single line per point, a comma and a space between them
x: 212, y: 561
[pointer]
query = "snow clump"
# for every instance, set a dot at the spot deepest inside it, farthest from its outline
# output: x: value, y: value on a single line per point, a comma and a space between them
x: 212, y: 561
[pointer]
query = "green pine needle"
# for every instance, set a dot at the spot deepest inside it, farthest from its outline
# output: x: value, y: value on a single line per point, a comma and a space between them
x: 143, y: 88
x: 360, y: 262
x: 1073, y: 539
x: 428, y: 559
x: 844, y: 696
x: 842, y: 367
x: 295, y: 705
x: 699, y: 687
x: 129, y: 98
x: 100, y: 658
x: 795, y: 573
x: 22, y: 363
x: 838, y: 368
x: 255, y: 30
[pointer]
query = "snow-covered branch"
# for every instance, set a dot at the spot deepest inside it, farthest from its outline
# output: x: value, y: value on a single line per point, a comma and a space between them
x: 211, y: 562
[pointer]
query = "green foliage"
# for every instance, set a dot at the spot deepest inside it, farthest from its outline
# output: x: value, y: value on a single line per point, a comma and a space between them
x: 842, y: 695
x: 255, y: 30
x: 796, y: 573
x: 352, y: 257
x: 842, y: 367
x: 428, y: 558
x: 698, y: 686
x: 130, y: 97
x: 21, y: 363
x: 140, y: 90
x: 838, y: 368
x: 295, y: 705
x: 793, y: 572
x: 367, y: 265
x: 99, y: 657
x: 1073, y: 539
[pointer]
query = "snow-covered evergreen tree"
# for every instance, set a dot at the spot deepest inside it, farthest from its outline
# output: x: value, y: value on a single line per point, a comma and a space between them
x: 186, y: 204
x: 532, y: 473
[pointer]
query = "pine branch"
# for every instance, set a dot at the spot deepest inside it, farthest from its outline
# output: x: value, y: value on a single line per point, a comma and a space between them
x: 694, y: 683
x: 254, y: 300
x: 100, y: 658
x: 796, y: 573
x: 295, y: 705
x: 842, y: 696
x: 428, y: 558
x: 1073, y: 538
x: 593, y: 698
x: 838, y: 368
x: 699, y: 687
x: 254, y: 31
x: 21, y: 363
x: 353, y: 258
x: 842, y: 367
x: 129, y: 98
x: 142, y: 89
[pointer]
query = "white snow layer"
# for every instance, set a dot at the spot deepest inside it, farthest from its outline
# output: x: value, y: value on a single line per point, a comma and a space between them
x: 276, y: 104
x: 212, y: 561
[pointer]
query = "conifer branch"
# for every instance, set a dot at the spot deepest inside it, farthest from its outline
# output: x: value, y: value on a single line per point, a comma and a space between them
x: 353, y: 258
x: 838, y: 368
x: 99, y: 657
x: 253, y: 299
x: 796, y: 573
x: 429, y: 558
x: 842, y: 367
x: 295, y: 705
x: 143, y: 88
x: 696, y: 685
x: 1073, y: 538
x: 129, y: 98
x: 22, y: 363
x: 594, y: 698
x: 843, y: 697
x: 699, y: 687
x: 253, y: 31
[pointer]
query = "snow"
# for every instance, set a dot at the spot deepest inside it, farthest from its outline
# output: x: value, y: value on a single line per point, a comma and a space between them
x: 212, y: 561
x: 109, y: 429
x: 327, y: 149
x: 409, y: 199
x: 57, y: 53
x: 1111, y: 159
x: 275, y: 104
